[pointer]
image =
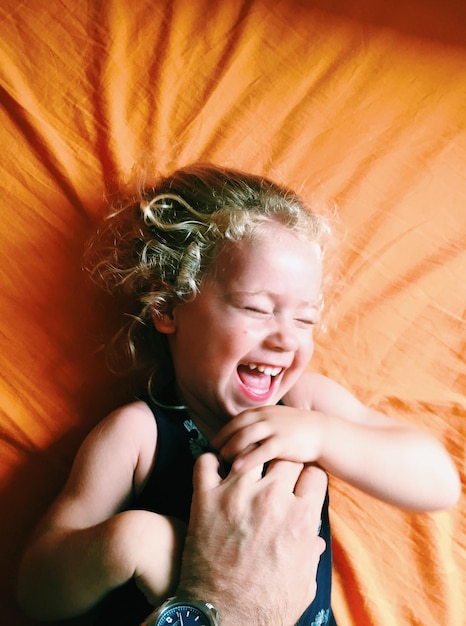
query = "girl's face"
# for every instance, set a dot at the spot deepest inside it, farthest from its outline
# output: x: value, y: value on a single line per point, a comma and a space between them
x: 247, y: 336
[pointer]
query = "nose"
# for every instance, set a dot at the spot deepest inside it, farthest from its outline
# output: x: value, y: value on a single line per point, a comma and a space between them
x: 282, y: 336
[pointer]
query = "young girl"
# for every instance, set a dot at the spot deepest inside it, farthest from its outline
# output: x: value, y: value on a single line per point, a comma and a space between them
x: 227, y: 270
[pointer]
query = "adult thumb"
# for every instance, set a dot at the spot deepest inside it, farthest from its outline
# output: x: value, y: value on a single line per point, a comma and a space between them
x: 205, y: 475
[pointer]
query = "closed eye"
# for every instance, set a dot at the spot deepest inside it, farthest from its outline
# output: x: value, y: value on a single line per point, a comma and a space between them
x: 257, y: 311
x: 307, y: 322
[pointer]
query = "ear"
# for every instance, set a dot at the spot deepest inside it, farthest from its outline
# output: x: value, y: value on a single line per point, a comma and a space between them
x: 164, y: 322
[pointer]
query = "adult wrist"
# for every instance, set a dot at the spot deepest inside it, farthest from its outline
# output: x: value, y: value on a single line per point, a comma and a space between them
x: 233, y: 609
x: 181, y: 610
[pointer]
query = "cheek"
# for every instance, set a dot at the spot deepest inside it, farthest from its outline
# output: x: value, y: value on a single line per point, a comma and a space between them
x: 235, y: 345
x: 225, y: 342
x: 307, y: 349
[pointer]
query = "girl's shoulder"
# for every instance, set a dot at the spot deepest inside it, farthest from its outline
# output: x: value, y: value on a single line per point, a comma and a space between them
x: 315, y: 392
x: 305, y: 392
x: 131, y: 423
x: 134, y: 415
x: 110, y: 468
x: 129, y: 432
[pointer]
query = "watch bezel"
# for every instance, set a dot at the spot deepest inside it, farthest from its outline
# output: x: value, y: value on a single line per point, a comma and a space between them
x: 206, y: 608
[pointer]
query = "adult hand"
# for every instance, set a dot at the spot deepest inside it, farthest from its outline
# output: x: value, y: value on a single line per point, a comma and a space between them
x: 252, y: 548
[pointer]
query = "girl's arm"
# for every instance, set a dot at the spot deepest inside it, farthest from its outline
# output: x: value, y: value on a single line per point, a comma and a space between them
x: 86, y: 546
x: 325, y: 424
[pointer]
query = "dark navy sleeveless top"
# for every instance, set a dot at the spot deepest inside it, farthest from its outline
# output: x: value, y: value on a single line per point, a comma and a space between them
x: 168, y: 491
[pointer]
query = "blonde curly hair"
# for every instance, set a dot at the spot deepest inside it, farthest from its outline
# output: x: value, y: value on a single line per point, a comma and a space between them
x: 158, y: 246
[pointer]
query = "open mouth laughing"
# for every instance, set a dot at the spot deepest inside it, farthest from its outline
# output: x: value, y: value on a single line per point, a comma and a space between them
x: 259, y: 380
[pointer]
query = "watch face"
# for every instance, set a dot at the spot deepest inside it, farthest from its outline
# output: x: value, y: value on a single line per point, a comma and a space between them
x: 183, y: 615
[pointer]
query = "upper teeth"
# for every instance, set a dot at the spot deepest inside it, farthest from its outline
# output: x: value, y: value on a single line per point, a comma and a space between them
x: 265, y: 369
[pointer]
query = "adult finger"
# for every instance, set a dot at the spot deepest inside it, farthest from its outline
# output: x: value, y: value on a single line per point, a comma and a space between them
x: 251, y: 474
x: 206, y: 472
x: 285, y: 472
x: 311, y: 483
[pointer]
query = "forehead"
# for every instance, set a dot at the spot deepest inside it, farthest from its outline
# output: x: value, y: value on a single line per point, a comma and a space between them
x: 271, y: 242
x: 274, y: 259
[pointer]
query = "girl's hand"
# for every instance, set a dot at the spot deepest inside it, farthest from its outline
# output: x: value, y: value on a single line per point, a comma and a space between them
x: 272, y: 432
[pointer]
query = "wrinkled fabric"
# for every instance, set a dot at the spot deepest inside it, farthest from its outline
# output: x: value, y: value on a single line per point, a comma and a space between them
x: 354, y: 103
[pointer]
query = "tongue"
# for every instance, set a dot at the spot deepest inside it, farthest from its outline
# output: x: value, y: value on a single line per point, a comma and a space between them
x: 254, y: 380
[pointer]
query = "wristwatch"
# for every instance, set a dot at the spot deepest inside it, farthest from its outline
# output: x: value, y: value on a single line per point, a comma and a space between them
x: 180, y: 612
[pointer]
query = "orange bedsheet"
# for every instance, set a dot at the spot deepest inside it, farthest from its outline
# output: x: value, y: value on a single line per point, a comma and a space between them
x: 357, y: 102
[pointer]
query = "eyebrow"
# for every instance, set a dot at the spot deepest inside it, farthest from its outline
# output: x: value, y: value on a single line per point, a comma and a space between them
x: 307, y: 303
